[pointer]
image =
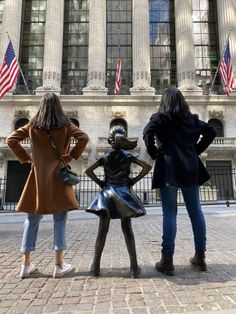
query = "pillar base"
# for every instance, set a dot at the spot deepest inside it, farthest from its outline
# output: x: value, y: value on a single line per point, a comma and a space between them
x: 95, y: 91
x: 40, y: 91
x: 150, y: 91
x: 191, y: 91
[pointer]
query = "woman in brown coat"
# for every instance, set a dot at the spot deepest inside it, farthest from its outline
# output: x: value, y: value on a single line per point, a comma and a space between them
x: 44, y: 193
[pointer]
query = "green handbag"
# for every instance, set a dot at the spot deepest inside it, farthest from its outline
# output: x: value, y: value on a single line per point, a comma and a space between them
x: 66, y: 175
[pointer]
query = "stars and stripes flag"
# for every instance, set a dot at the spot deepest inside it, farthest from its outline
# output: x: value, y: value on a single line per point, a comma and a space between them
x: 118, y: 75
x: 226, y: 71
x: 8, y: 71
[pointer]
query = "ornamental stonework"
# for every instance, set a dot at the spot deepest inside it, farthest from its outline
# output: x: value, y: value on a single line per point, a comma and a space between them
x: 216, y: 114
x: 118, y: 114
x: 72, y: 114
x: 22, y: 114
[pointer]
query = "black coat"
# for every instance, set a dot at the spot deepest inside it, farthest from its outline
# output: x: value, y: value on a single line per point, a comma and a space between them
x: 178, y: 163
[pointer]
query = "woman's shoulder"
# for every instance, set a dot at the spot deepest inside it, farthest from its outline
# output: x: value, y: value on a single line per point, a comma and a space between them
x: 156, y: 116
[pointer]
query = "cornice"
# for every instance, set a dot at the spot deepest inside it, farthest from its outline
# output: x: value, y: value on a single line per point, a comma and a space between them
x: 126, y: 100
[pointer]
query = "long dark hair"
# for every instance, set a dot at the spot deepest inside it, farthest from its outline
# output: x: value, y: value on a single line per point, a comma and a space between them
x: 173, y: 104
x: 50, y: 114
x: 118, y: 140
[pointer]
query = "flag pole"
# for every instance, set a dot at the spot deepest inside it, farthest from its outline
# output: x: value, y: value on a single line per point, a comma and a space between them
x: 217, y: 70
x: 20, y: 69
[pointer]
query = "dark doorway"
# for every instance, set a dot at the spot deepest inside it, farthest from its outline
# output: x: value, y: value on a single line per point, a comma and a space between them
x: 21, y: 122
x: 218, y: 125
x: 121, y: 122
x: 221, y: 178
x: 17, y: 174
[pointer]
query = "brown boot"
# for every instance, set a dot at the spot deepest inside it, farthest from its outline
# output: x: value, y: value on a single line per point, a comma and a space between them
x: 198, y: 261
x: 166, y: 265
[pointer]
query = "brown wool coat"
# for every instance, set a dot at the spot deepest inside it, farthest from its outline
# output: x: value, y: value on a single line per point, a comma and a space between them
x: 44, y: 193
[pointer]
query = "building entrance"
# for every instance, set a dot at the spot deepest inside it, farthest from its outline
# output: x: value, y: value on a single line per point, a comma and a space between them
x: 17, y: 174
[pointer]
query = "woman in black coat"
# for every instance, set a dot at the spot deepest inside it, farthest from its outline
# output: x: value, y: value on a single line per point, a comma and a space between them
x: 174, y: 138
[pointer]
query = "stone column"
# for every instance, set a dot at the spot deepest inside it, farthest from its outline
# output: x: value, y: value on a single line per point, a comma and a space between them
x: 53, y: 47
x: 226, y: 11
x: 141, y: 50
x: 185, y: 56
x: 11, y: 24
x: 97, y: 49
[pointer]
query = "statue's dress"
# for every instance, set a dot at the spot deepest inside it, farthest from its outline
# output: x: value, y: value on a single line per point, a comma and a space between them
x: 117, y: 198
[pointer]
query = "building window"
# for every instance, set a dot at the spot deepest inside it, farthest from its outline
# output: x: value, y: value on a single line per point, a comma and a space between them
x: 121, y: 122
x: 75, y: 47
x: 218, y: 125
x: 20, y: 122
x: 119, y: 33
x: 32, y: 44
x: 162, y: 40
x: 1, y: 13
x: 205, y: 40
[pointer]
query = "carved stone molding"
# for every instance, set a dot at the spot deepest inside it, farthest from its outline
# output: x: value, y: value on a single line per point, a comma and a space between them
x: 52, y: 76
x: 118, y: 114
x: 72, y: 114
x: 186, y: 75
x: 218, y: 114
x: 96, y: 75
x: 22, y: 114
x: 144, y: 76
x: 96, y: 81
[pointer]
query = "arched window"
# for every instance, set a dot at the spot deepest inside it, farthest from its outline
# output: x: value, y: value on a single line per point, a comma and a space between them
x: 119, y: 121
x: 20, y: 122
x: 218, y: 125
x: 75, y: 121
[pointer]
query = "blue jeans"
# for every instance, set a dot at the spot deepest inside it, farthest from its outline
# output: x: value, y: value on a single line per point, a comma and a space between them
x: 30, y: 233
x: 169, y: 208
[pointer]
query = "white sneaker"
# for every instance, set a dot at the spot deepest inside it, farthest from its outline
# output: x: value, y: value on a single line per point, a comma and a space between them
x: 26, y: 271
x: 62, y: 270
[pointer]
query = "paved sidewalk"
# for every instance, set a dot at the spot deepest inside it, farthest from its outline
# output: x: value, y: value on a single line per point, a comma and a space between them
x: 114, y: 292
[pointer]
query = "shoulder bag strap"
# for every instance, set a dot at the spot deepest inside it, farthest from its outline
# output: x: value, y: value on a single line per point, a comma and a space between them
x: 54, y: 147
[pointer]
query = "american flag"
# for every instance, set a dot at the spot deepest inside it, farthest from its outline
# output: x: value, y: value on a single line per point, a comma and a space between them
x: 8, y: 71
x: 118, y: 75
x: 226, y: 71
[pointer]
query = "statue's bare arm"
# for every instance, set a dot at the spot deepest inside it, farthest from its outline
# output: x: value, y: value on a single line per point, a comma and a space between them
x: 145, y: 169
x: 90, y: 173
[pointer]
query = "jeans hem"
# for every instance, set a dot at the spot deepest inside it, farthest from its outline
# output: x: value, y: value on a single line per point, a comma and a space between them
x: 57, y: 248
x: 27, y: 250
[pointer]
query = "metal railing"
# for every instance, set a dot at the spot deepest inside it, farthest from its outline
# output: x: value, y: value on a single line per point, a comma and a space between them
x: 221, y: 188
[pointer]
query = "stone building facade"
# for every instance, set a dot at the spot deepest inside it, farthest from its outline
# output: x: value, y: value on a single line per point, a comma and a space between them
x: 70, y: 47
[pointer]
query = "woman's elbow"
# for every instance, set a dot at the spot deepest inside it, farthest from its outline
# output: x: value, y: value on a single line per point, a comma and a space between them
x: 85, y: 139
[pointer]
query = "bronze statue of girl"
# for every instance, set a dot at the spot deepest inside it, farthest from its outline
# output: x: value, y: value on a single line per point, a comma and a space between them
x: 116, y: 198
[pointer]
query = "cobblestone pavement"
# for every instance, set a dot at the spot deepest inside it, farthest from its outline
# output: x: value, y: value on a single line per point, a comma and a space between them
x: 114, y: 292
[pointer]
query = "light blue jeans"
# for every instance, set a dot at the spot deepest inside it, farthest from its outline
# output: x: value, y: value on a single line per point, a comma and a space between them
x: 169, y: 208
x: 30, y: 233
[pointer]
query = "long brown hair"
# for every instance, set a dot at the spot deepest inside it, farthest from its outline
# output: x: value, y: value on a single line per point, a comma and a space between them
x: 50, y: 114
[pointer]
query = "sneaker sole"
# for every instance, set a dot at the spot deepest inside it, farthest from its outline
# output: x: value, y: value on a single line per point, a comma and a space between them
x: 35, y: 271
x: 65, y: 273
